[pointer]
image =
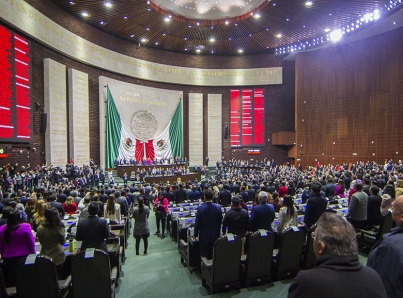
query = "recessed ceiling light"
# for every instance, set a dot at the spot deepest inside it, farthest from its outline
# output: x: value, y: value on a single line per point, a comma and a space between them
x: 163, y: 34
x: 143, y: 39
x: 72, y: 3
x: 226, y: 22
x: 156, y: 43
x: 394, y: 23
x: 108, y: 4
x: 84, y: 14
x: 279, y: 35
x: 335, y: 35
x: 327, y: 30
x: 167, y: 19
x: 256, y: 16
x: 197, y: 23
x: 125, y: 17
x: 212, y: 39
x: 102, y: 22
x: 240, y: 51
x: 147, y: 28
x: 212, y: 51
x: 197, y: 50
x: 131, y: 35
x: 308, y: 4
x: 186, y: 49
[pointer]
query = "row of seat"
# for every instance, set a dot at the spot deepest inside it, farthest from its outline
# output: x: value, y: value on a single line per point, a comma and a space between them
x: 36, y: 277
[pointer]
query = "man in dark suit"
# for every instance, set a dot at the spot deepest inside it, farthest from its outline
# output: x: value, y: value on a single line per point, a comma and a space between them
x: 315, y: 206
x: 61, y: 197
x: 180, y: 194
x: 224, y: 196
x: 263, y: 214
x: 208, y: 224
x: 57, y: 205
x: 93, y: 231
x: 124, y: 206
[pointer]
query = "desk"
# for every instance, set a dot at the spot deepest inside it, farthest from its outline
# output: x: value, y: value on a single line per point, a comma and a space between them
x: 122, y: 169
x: 173, y: 178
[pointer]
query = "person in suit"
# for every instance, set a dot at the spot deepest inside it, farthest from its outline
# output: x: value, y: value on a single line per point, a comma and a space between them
x: 224, y: 196
x: 338, y: 271
x: 93, y: 231
x: 124, y: 206
x: 263, y: 214
x: 315, y: 206
x: 180, y: 194
x: 386, y: 257
x: 208, y: 224
x: 57, y: 205
x: 236, y: 220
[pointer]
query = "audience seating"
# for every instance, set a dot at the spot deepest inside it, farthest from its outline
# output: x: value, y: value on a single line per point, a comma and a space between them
x: 222, y: 272
x: 39, y: 279
x: 368, y: 238
x: 92, y: 277
x: 6, y: 292
x: 257, y: 264
x: 287, y: 261
x: 308, y: 255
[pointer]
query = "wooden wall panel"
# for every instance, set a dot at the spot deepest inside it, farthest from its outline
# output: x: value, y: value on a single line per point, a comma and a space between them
x: 350, y: 98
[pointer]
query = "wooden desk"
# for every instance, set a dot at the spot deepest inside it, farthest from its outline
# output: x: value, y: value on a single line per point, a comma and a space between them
x: 173, y: 178
x: 122, y: 169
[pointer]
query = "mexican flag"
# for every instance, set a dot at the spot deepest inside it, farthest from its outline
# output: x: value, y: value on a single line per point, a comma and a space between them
x: 123, y: 145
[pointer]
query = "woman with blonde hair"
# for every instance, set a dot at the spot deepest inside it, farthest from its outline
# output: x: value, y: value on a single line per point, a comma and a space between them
x: 69, y: 205
x: 112, y: 209
x: 39, y: 216
x: 399, y: 188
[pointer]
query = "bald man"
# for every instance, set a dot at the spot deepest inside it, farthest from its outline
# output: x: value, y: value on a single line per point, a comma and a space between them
x: 387, y: 257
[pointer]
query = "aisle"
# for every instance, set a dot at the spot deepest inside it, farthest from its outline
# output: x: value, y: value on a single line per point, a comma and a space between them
x: 160, y: 274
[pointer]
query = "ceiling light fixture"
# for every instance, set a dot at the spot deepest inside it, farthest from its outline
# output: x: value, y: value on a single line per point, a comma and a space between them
x: 240, y: 51
x: 85, y: 14
x: 143, y: 39
x: 212, y: 39
x: 256, y: 16
x: 108, y: 4
x: 279, y: 35
x: 335, y: 35
x: 167, y: 19
x: 308, y: 4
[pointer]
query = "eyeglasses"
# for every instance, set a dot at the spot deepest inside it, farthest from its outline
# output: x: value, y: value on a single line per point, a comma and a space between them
x: 313, y: 235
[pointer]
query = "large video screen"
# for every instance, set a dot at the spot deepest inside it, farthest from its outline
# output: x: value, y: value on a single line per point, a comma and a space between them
x: 247, y: 117
x: 15, y: 88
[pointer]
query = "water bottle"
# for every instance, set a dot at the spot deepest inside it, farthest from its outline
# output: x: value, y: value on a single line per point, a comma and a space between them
x: 71, y: 245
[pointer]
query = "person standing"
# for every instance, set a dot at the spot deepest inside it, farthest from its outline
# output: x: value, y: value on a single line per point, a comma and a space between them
x: 387, y: 256
x: 207, y: 160
x: 16, y: 242
x: 141, y: 227
x: 236, y: 220
x: 112, y: 209
x: 208, y: 224
x: 315, y: 206
x: 51, y: 237
x: 161, y: 211
x: 357, y: 210
x: 92, y: 231
x: 288, y: 215
x: 262, y: 215
x: 338, y: 271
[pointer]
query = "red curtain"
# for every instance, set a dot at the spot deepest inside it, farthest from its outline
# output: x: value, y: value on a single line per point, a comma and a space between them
x: 138, y: 154
x: 150, y: 154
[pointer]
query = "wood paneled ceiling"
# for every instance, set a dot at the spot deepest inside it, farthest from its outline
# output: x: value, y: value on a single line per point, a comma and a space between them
x: 281, y: 23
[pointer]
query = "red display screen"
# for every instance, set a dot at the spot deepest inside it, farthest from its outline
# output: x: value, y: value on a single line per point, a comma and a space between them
x: 15, y: 88
x: 247, y: 117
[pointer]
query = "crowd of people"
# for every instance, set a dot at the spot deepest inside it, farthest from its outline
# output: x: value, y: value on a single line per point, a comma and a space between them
x: 36, y: 198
